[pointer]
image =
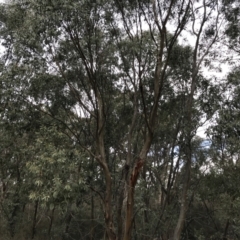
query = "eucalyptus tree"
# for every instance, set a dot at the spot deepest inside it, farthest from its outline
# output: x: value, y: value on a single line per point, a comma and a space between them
x: 219, y: 192
x: 14, y: 145
x: 100, y: 70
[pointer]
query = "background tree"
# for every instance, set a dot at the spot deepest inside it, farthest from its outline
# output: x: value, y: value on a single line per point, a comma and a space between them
x: 109, y: 99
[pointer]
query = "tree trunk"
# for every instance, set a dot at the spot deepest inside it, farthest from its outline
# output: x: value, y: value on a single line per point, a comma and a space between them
x: 92, y: 219
x: 130, y: 198
x: 67, y: 220
x: 226, y: 230
x: 51, y: 221
x: 34, y: 219
x: 184, y: 202
x: 101, y: 158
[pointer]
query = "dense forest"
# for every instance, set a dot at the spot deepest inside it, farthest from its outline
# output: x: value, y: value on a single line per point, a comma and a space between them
x: 119, y: 120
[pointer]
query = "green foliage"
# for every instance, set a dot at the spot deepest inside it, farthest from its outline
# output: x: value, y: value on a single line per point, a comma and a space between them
x: 73, y: 71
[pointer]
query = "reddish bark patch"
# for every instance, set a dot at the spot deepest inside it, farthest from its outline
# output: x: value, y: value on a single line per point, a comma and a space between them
x: 136, y: 171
